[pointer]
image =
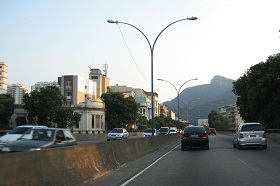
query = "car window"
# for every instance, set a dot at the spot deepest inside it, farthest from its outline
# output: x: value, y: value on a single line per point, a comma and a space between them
x: 68, y: 135
x: 251, y: 128
x: 117, y: 131
x: 148, y: 131
x: 194, y: 129
x: 60, y: 135
x: 19, y: 130
x: 163, y: 129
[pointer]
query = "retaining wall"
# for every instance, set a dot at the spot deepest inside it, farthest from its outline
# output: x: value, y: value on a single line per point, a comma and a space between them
x: 78, y: 164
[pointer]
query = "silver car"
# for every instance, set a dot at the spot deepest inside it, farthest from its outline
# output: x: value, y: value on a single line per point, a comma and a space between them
x: 249, y: 134
x: 118, y: 134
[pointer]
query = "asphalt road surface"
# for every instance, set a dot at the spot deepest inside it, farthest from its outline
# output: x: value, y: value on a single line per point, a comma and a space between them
x: 222, y: 165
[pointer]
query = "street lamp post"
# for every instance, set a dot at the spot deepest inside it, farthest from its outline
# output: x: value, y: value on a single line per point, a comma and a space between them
x: 178, y: 93
x: 152, y: 56
x: 189, y: 104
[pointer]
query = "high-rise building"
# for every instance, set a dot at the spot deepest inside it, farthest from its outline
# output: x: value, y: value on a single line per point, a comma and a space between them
x: 17, y: 91
x: 76, y: 89
x: 102, y: 81
x: 3, y: 77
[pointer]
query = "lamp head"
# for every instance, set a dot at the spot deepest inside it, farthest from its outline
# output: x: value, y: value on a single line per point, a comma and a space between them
x: 192, y: 18
x: 112, y: 21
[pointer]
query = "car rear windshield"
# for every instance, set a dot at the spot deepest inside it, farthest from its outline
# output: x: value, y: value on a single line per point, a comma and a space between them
x: 253, y: 127
x: 19, y: 130
x: 194, y: 129
x: 148, y: 130
x: 163, y: 130
x: 117, y: 131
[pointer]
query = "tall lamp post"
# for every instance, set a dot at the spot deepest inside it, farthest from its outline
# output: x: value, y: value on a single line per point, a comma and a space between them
x: 152, y: 56
x: 178, y: 93
x: 189, y: 104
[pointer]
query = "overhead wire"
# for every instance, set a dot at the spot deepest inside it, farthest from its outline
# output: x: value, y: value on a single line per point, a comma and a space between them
x: 132, y: 55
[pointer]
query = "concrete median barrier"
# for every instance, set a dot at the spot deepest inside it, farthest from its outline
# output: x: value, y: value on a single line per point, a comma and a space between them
x: 76, y: 165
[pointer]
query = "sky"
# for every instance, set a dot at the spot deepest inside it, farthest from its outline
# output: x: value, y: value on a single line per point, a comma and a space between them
x: 43, y: 40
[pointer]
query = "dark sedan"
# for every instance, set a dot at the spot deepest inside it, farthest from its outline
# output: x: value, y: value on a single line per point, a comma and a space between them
x: 41, y: 138
x: 194, y: 136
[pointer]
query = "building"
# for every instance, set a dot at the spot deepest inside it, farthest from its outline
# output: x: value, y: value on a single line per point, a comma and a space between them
x: 156, y: 104
x: 17, y: 91
x: 93, y: 117
x: 172, y: 115
x: 231, y: 112
x: 3, y: 77
x: 202, y: 122
x: 76, y: 89
x: 163, y: 110
x: 40, y: 85
x: 101, y: 80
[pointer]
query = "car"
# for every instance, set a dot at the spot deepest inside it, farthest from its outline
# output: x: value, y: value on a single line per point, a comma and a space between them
x: 15, y: 133
x: 194, y: 136
x: 249, y: 134
x: 118, y: 134
x: 212, y: 131
x: 173, y: 130
x: 41, y: 138
x: 163, y: 131
x: 148, y: 132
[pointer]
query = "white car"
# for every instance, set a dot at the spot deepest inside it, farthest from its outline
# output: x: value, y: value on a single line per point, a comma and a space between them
x: 15, y: 133
x: 117, y: 134
x: 148, y: 132
x: 173, y: 130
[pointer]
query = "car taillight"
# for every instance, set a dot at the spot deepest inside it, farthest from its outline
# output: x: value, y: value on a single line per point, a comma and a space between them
x: 241, y: 135
x: 205, y: 135
x: 264, y: 135
x: 183, y: 136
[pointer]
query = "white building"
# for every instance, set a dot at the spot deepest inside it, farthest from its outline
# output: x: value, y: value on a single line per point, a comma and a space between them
x: 17, y: 91
x: 40, y: 85
x: 3, y: 77
x: 202, y: 122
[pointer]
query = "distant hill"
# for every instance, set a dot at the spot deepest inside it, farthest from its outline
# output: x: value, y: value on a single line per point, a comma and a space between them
x: 212, y: 96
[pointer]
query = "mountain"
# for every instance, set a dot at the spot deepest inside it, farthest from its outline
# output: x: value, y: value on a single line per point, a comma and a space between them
x: 198, y: 101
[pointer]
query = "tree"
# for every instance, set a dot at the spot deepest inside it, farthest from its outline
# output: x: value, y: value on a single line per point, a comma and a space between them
x: 120, y: 111
x: 218, y: 121
x: 66, y: 117
x: 258, y: 92
x: 42, y: 105
x: 6, y: 110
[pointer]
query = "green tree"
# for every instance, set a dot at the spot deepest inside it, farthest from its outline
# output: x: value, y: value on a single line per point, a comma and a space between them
x: 258, y: 92
x: 120, y: 111
x: 217, y: 120
x: 6, y: 110
x: 42, y: 105
x: 66, y: 117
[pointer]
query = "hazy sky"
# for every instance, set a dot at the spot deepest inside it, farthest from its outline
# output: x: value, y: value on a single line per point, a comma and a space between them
x: 41, y: 40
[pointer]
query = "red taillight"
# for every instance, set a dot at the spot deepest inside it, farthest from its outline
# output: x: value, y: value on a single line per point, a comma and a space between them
x: 183, y: 136
x: 241, y: 135
x: 205, y: 135
x: 264, y: 135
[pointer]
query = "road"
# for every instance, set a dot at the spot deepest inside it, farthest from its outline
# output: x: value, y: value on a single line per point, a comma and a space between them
x: 221, y: 165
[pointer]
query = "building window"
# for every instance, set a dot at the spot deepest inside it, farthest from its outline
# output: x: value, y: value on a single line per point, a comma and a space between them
x: 94, y: 77
x: 92, y: 121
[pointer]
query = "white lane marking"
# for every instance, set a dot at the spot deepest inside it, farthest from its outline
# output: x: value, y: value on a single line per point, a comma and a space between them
x: 141, y: 172
x: 248, y: 166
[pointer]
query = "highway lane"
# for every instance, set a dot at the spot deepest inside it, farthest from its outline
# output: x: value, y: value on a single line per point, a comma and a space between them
x: 221, y: 165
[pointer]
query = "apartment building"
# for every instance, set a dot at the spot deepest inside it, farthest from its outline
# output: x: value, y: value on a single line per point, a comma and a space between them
x: 17, y: 91
x: 40, y: 85
x: 101, y: 80
x: 3, y: 77
x: 231, y: 112
x: 76, y: 89
x: 163, y: 110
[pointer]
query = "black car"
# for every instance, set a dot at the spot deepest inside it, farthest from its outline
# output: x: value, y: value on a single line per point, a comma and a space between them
x: 194, y: 136
x: 41, y: 138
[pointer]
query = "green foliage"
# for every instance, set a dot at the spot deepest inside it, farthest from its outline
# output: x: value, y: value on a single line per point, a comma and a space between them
x: 120, y: 111
x: 258, y: 93
x: 218, y: 121
x: 66, y: 117
x: 6, y: 110
x: 43, y: 105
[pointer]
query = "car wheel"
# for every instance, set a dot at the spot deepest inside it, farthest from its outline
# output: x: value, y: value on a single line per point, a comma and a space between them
x: 234, y: 146
x: 264, y: 146
x: 108, y: 139
x: 238, y: 146
x: 183, y: 147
